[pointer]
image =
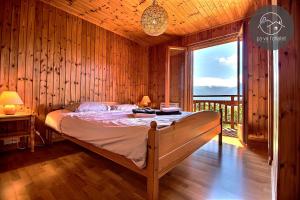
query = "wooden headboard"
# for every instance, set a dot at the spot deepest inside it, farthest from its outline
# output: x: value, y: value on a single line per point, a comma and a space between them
x: 110, y: 103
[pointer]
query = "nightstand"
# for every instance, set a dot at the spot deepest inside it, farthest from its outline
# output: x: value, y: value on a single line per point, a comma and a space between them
x: 29, y: 130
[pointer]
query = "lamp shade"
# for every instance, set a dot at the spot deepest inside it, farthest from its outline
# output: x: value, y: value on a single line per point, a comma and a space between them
x: 10, y: 98
x: 145, y: 101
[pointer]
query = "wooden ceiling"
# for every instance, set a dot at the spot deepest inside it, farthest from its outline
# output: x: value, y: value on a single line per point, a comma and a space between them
x: 185, y: 16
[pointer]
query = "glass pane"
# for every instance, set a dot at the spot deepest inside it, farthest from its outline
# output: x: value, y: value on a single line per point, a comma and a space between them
x: 215, y: 70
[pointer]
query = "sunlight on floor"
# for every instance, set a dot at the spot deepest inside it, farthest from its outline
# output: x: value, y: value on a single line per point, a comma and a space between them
x: 230, y: 140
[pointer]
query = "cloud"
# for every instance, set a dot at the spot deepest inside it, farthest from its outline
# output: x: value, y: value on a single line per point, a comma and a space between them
x: 214, y: 81
x: 229, y: 61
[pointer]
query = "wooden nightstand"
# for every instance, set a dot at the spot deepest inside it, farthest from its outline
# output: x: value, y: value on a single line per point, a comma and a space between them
x: 29, y: 129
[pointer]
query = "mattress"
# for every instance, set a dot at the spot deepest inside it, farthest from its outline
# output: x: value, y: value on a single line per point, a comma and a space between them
x: 115, y: 131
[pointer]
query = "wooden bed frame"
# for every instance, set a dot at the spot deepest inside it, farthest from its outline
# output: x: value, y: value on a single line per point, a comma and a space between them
x: 166, y: 148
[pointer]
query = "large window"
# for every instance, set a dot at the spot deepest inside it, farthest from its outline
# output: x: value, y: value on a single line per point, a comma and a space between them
x: 215, y: 70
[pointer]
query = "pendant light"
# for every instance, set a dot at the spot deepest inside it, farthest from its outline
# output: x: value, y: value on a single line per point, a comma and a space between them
x: 154, y: 20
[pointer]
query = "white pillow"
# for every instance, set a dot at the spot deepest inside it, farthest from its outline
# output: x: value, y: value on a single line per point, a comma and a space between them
x: 124, y: 107
x: 92, y: 106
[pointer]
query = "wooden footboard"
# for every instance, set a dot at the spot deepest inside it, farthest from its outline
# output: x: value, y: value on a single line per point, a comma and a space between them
x: 166, y: 146
x: 169, y: 146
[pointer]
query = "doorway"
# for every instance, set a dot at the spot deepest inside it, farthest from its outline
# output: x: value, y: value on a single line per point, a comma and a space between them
x: 176, y: 81
x: 217, y: 83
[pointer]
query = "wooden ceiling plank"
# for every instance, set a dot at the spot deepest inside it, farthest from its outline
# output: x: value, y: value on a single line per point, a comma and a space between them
x: 226, y: 9
x: 195, y: 17
x: 183, y: 7
x: 202, y: 13
x: 185, y: 16
x: 112, y: 26
x: 221, y: 15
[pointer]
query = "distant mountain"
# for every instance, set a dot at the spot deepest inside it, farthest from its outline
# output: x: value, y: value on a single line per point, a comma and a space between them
x: 206, y: 90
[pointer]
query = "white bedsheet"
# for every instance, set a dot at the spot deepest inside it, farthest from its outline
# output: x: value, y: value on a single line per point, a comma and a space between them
x: 114, y: 131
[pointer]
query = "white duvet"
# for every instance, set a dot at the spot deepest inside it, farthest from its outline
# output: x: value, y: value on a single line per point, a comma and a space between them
x: 114, y: 131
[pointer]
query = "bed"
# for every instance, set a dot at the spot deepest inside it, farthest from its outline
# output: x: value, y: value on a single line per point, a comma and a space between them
x: 149, y: 146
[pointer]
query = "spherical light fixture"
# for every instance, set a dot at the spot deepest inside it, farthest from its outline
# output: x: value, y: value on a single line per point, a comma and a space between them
x: 154, y: 20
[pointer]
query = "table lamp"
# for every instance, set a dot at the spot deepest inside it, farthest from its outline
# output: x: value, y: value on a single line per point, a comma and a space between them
x: 10, y: 99
x: 145, y: 101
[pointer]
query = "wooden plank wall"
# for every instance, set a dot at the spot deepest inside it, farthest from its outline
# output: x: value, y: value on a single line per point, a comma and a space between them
x: 157, y: 69
x: 286, y: 165
x: 212, y: 34
x: 157, y: 60
x: 51, y: 58
x: 177, y: 77
x: 256, y: 64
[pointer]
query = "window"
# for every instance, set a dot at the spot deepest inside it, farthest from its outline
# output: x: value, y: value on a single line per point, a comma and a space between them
x: 215, y: 70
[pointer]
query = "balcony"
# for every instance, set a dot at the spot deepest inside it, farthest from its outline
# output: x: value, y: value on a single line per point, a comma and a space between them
x: 231, y: 109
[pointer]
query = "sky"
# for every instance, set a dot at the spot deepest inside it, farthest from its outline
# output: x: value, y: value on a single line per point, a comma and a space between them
x: 216, y: 66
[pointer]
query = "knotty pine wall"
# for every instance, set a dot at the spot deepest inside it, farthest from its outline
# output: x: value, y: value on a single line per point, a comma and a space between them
x: 51, y: 58
x: 204, y: 37
x: 286, y: 164
x: 157, y: 70
x: 177, y: 77
x: 256, y: 62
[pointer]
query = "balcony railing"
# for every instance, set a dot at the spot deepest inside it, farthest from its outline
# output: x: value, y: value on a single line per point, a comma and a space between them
x: 232, y: 114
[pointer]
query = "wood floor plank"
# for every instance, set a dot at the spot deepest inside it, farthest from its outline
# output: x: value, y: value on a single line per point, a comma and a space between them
x: 67, y: 171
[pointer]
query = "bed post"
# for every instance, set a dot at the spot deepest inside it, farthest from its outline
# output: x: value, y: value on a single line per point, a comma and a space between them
x: 221, y: 124
x: 48, y: 135
x: 152, y: 164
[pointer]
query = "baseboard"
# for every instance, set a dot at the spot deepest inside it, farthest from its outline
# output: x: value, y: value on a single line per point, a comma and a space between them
x: 258, y: 144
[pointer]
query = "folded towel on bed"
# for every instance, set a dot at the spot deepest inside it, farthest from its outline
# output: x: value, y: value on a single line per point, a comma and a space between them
x: 143, y: 110
x: 170, y: 109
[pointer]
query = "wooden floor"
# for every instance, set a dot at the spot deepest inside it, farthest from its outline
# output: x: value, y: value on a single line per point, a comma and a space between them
x: 66, y: 171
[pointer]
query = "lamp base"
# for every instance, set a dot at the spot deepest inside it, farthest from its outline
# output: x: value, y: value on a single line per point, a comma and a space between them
x: 10, y: 109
